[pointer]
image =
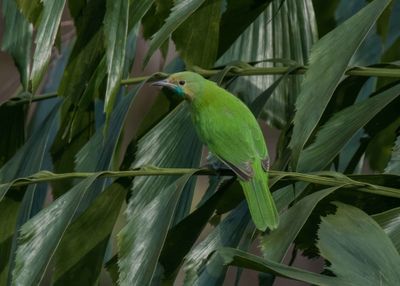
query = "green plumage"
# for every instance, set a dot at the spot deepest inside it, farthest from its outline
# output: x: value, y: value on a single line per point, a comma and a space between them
x: 231, y: 132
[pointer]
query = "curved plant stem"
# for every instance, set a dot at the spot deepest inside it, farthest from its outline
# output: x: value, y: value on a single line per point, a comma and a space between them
x: 321, y: 178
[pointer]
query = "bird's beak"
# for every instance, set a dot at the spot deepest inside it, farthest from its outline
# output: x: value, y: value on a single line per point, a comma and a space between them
x: 164, y: 83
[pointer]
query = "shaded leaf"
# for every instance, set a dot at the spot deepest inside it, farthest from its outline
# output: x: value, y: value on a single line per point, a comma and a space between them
x: 140, y: 245
x: 74, y: 252
x: 179, y: 13
x: 137, y: 9
x: 357, y: 248
x: 29, y: 157
x: 390, y: 223
x: 12, y: 126
x: 274, y: 35
x: 393, y: 166
x: 275, y: 244
x: 17, y: 39
x: 9, y: 207
x: 230, y: 256
x: 195, y: 50
x: 239, y: 14
x: 329, y: 142
x: 329, y: 57
x: 41, y: 235
x: 115, y: 33
x: 31, y: 9
x: 201, y: 266
x: 45, y: 37
x: 155, y: 17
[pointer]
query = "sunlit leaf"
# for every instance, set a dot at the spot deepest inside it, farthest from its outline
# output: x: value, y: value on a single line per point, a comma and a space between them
x: 140, y: 245
x: 45, y: 37
x: 115, y: 32
x: 41, y: 235
x: 329, y: 57
x: 329, y: 141
x: 76, y: 251
x: 179, y: 13
x: 17, y: 39
x: 274, y: 35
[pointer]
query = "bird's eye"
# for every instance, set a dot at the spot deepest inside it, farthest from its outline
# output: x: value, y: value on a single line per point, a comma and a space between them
x: 182, y: 82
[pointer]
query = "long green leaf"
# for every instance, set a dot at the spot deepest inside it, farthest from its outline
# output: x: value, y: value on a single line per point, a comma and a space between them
x: 115, y: 32
x: 390, y: 223
x: 41, y: 235
x: 31, y: 9
x: 140, y: 244
x: 17, y: 39
x: 46, y: 35
x: 275, y: 244
x: 333, y: 136
x: 76, y: 251
x: 393, y: 166
x: 230, y: 256
x: 272, y: 35
x: 195, y: 50
x: 198, y: 270
x: 357, y: 248
x: 329, y: 57
x: 179, y: 13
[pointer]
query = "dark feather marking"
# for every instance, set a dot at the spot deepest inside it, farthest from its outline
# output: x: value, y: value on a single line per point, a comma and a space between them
x: 265, y: 164
x: 245, y: 173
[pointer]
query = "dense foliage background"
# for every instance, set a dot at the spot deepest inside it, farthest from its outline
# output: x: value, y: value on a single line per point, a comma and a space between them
x: 83, y: 200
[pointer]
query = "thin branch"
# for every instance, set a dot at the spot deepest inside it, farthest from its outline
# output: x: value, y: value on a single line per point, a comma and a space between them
x: 26, y: 99
x: 237, y: 71
x: 321, y: 178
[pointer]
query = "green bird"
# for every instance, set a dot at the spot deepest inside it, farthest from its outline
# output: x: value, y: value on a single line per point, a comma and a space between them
x: 232, y: 134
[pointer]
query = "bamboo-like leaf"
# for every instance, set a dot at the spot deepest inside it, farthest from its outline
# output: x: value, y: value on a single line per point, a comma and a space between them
x: 329, y: 57
x: 46, y: 35
x: 273, y: 35
x: 390, y: 223
x: 179, y: 13
x: 140, y: 244
x: 329, y: 141
x: 41, y: 235
x: 359, y: 251
x: 198, y: 270
x: 137, y: 10
x: 115, y: 32
x: 17, y: 39
x: 172, y: 143
x: 28, y: 160
x: 230, y: 256
x: 275, y: 244
x: 9, y: 207
x: 31, y: 9
x: 195, y: 50
x: 239, y: 14
x: 393, y: 166
x: 76, y: 251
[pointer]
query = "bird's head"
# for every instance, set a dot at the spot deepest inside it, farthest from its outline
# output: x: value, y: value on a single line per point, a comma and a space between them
x: 185, y: 84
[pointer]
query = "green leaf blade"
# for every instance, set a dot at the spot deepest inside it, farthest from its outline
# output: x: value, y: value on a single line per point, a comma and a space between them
x: 17, y: 39
x: 115, y: 31
x: 329, y: 57
x: 46, y: 35
x: 329, y: 141
x: 179, y: 13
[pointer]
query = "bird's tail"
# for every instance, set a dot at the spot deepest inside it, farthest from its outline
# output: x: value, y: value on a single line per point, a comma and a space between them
x: 259, y: 199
